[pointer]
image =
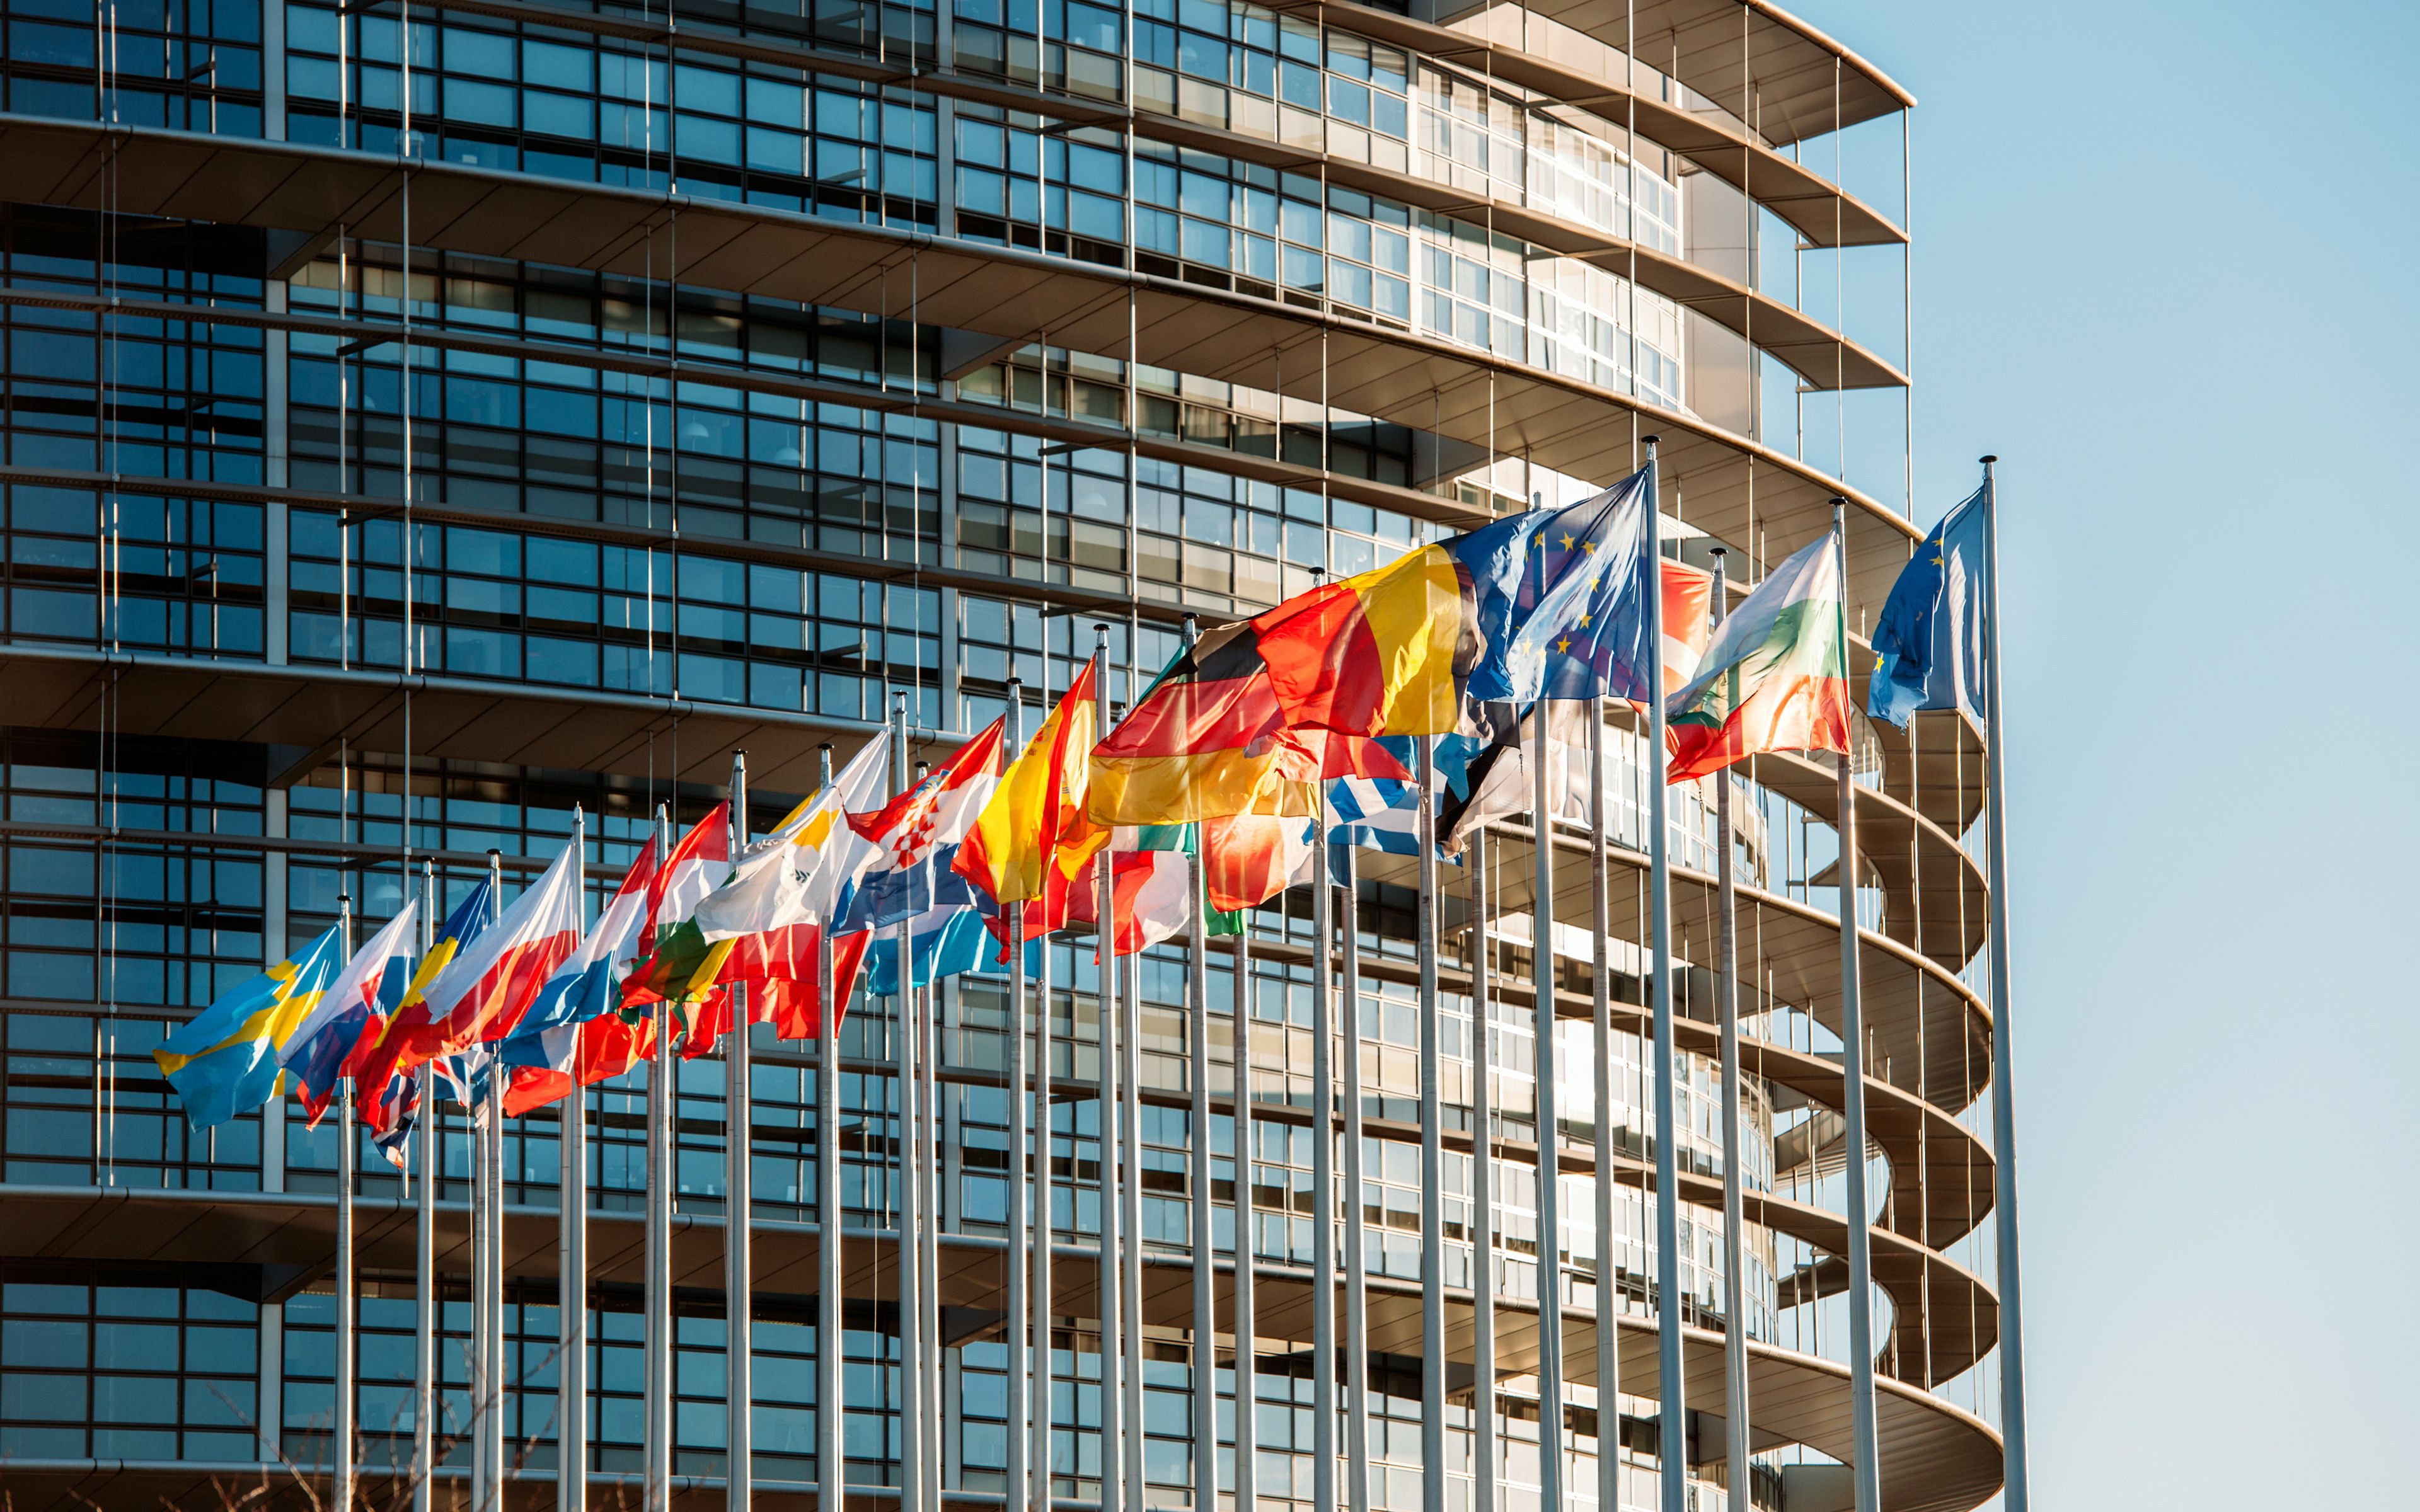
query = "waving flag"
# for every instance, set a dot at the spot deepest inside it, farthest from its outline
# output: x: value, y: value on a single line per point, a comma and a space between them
x: 677, y: 965
x: 1775, y: 676
x: 1929, y: 642
x: 588, y: 985
x: 329, y: 1034
x: 1035, y: 820
x: 381, y: 1060
x: 1567, y: 617
x: 1210, y: 738
x: 483, y: 992
x: 917, y: 834
x: 1381, y: 653
x: 223, y: 1062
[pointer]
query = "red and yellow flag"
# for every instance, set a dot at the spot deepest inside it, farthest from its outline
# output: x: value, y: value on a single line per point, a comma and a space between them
x: 1034, y: 821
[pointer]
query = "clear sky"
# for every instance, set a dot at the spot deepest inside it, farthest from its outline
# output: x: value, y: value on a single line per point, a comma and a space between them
x: 2162, y: 257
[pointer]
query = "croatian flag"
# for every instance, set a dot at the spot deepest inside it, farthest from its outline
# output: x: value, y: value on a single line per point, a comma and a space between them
x: 371, y: 981
x: 542, y: 1047
x: 916, y: 836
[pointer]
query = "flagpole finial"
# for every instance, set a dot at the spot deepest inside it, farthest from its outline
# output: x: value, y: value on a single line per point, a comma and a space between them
x: 1987, y: 459
x: 1719, y: 551
x: 1648, y: 440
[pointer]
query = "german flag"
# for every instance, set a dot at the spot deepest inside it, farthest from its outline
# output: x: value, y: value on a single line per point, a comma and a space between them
x: 1210, y: 737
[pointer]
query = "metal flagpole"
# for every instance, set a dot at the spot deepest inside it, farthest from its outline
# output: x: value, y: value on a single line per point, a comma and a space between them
x: 1019, y: 1131
x: 491, y: 1416
x: 2004, y: 1110
x: 662, y: 1101
x: 1550, y: 1205
x: 1432, y: 1497
x: 1322, y: 1162
x: 1130, y: 1220
x: 1246, y: 1388
x: 1205, y: 1281
x: 1104, y: 1278
x: 1482, y: 1188
x: 1357, y: 1258
x: 1865, y: 1473
x: 739, y: 1188
x: 1609, y: 1289
x: 347, y: 1298
x: 832, y: 1404
x: 1735, y: 1405
x: 571, y: 1365
x: 914, y: 1467
x: 1673, y: 1432
x: 424, y: 1281
x: 1045, y: 1226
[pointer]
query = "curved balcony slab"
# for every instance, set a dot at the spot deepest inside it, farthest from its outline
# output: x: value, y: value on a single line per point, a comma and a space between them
x: 1487, y: 44
x: 1731, y: 487
x: 1933, y: 1455
x: 1934, y: 898
x: 1750, y: 57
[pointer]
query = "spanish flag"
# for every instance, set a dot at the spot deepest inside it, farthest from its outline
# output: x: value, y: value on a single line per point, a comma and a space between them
x: 1034, y: 821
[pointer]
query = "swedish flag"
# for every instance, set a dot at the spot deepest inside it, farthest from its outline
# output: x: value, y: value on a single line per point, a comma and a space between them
x: 223, y: 1060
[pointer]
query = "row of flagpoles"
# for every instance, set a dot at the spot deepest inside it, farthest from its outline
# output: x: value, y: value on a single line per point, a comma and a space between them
x: 1353, y: 713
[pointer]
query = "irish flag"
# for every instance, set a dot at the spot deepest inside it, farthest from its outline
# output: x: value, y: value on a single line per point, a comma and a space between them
x: 1775, y: 676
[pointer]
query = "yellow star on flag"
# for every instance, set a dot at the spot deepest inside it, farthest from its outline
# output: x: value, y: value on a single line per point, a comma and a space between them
x: 1564, y: 644
x: 1566, y: 540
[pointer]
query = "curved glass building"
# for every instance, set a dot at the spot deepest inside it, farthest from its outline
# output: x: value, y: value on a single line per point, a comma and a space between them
x: 424, y: 420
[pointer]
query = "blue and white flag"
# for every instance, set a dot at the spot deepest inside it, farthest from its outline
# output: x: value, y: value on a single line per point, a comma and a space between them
x: 1929, y: 642
x: 371, y: 984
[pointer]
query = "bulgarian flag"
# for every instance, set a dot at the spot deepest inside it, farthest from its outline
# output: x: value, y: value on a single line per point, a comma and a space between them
x: 1775, y: 676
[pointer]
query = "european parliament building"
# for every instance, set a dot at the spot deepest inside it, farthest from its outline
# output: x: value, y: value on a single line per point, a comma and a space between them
x: 423, y: 420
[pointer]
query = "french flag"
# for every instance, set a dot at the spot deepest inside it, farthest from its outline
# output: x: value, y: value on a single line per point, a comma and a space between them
x: 483, y: 992
x: 543, y: 1046
x: 328, y: 1034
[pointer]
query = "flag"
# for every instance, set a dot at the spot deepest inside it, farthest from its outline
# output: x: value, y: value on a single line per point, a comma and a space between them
x: 1036, y: 819
x: 941, y: 944
x: 1381, y: 653
x: 1568, y: 618
x: 1775, y: 676
x: 916, y: 836
x: 378, y: 1060
x: 483, y: 992
x: 1499, y: 782
x: 1210, y: 738
x: 328, y: 1035
x: 1151, y: 895
x: 223, y: 1060
x: 764, y: 922
x: 1247, y: 860
x: 390, y: 1114
x: 586, y: 986
x: 1929, y: 642
x: 1689, y: 606
x: 677, y: 965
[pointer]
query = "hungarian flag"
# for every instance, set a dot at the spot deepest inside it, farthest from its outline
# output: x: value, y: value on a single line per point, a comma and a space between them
x: 1775, y: 676
x: 1211, y: 737
x: 1034, y: 823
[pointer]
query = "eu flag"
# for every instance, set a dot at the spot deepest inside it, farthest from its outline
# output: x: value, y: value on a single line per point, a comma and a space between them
x: 1562, y: 596
x: 1929, y: 642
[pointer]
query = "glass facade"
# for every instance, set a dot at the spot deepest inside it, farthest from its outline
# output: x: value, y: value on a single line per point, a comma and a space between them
x: 245, y: 456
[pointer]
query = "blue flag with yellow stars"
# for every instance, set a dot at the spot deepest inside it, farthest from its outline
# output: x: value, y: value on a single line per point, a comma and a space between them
x: 1928, y: 642
x: 1563, y: 601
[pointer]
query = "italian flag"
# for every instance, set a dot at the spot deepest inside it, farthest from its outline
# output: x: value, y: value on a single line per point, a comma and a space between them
x: 1775, y: 676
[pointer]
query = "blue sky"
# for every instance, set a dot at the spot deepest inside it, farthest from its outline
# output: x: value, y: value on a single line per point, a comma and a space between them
x: 2162, y: 268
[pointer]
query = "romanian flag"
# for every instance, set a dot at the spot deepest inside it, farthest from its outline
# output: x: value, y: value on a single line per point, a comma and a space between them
x: 1211, y: 738
x: 1034, y: 821
x: 223, y: 1062
x: 1775, y: 676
